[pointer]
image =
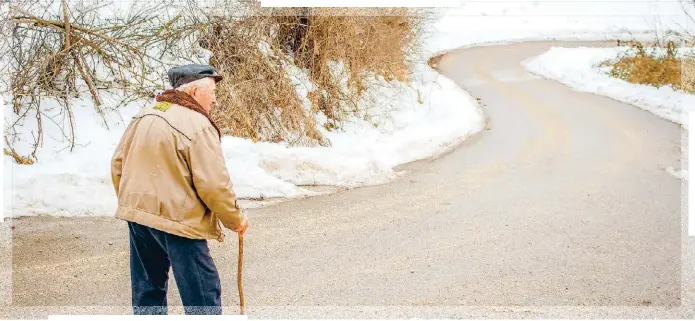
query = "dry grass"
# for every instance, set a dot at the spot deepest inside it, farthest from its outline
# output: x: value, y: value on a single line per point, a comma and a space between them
x: 259, y: 100
x: 649, y: 68
x: 688, y: 73
x: 256, y: 86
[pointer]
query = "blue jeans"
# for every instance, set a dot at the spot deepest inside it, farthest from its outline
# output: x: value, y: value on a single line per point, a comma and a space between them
x: 152, y: 253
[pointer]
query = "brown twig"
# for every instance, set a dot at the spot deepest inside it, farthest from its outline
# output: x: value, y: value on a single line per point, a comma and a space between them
x: 79, y: 61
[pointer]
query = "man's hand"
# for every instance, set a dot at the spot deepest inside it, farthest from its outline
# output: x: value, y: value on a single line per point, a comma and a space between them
x: 242, y: 227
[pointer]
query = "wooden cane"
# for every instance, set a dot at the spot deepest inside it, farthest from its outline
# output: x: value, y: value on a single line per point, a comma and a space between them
x: 238, y: 277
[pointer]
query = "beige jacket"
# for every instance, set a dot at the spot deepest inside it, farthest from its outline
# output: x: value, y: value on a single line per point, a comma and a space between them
x: 169, y: 173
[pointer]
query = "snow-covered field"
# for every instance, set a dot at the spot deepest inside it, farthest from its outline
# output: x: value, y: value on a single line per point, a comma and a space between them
x: 504, y: 21
x: 362, y: 154
x: 579, y: 68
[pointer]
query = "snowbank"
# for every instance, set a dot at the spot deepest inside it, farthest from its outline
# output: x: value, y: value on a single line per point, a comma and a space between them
x: 493, y: 22
x: 394, y: 130
x: 579, y: 68
x: 398, y: 130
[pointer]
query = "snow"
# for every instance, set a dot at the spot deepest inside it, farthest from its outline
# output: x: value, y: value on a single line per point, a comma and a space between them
x: 579, y: 68
x: 681, y: 174
x: 360, y: 155
x: 494, y: 22
x: 403, y: 125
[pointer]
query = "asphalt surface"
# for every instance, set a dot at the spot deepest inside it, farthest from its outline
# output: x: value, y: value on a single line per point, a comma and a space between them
x: 561, y: 208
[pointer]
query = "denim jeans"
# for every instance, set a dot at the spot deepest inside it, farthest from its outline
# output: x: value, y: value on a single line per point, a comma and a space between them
x: 152, y: 253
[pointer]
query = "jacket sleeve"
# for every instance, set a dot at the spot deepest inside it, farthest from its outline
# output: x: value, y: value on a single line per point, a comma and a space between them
x: 211, y: 179
x: 117, y: 158
x: 117, y: 166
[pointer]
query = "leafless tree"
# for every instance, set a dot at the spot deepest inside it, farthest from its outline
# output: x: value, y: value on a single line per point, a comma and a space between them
x: 58, y: 49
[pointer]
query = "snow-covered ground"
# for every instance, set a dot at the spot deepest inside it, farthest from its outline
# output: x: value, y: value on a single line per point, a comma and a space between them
x: 580, y: 69
x: 504, y: 21
x: 362, y: 154
x: 401, y: 128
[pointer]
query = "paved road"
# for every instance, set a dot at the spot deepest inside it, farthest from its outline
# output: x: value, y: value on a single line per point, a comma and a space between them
x: 561, y: 208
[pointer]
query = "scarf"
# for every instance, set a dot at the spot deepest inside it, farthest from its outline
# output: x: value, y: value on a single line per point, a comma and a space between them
x: 183, y: 99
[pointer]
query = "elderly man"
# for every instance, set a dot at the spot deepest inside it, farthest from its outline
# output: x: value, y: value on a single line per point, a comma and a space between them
x: 173, y: 189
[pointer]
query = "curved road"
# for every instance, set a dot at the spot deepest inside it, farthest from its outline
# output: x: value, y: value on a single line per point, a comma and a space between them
x: 562, y: 202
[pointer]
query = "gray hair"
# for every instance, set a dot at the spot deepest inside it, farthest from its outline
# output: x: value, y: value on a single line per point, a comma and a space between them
x: 203, y: 83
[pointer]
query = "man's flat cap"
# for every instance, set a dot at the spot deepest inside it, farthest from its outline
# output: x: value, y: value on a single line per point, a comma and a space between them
x: 184, y: 74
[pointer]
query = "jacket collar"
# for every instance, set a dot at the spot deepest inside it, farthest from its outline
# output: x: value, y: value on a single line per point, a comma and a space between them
x: 183, y: 99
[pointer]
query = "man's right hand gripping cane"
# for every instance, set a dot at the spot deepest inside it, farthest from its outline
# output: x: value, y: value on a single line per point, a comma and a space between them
x: 243, y: 226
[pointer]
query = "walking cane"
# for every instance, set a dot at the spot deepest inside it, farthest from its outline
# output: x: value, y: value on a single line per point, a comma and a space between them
x: 238, y: 276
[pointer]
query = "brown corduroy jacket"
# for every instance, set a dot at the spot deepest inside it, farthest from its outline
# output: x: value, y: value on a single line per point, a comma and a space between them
x: 169, y: 173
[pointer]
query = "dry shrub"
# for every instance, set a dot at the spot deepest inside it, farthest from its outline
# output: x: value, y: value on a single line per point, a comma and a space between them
x: 650, y: 68
x: 51, y: 47
x: 688, y: 74
x: 280, y: 65
x: 259, y: 100
x: 366, y: 45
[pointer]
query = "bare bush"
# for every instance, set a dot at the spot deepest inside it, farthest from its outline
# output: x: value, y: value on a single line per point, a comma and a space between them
x: 282, y: 67
x: 688, y: 74
x: 660, y: 62
x: 59, y: 54
x: 649, y: 68
x: 344, y: 56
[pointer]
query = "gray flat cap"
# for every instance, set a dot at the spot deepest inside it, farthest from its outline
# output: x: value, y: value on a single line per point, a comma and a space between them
x: 184, y: 74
